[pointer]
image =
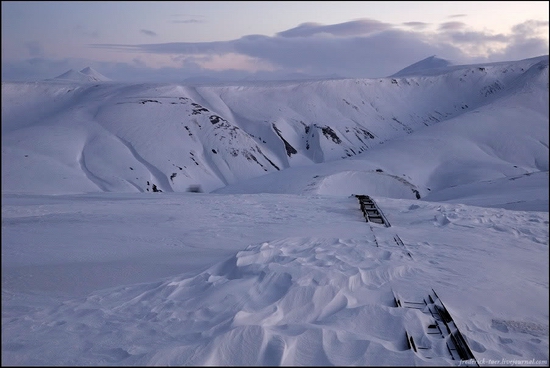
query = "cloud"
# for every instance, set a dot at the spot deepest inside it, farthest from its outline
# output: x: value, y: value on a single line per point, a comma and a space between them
x: 376, y: 55
x: 188, y: 21
x: 479, y: 38
x: 138, y: 62
x: 457, y: 16
x: 148, y: 32
x: 34, y: 69
x: 344, y: 50
x: 451, y: 26
x: 356, y: 27
x: 357, y: 49
x: 518, y: 50
x: 530, y: 28
x: 35, y: 48
x: 190, y: 18
x: 416, y: 25
x: 361, y: 48
x: 190, y: 48
x: 526, y: 40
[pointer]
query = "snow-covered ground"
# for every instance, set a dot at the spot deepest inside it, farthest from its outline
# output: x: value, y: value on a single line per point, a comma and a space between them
x: 264, y: 279
x: 277, y: 266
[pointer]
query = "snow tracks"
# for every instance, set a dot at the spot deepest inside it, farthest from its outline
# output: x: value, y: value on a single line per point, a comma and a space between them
x: 430, y: 331
x: 371, y: 211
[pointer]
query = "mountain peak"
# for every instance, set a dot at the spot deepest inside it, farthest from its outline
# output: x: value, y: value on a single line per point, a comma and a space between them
x: 423, y: 66
x: 94, y: 73
x: 85, y: 75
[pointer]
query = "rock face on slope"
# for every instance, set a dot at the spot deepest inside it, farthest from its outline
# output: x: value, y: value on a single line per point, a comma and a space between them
x: 82, y: 137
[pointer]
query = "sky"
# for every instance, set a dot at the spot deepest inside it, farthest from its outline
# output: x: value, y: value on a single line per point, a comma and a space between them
x: 277, y: 266
x: 232, y: 40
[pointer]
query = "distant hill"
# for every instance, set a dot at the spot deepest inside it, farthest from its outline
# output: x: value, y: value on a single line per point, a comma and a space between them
x: 94, y: 75
x: 85, y: 75
x: 430, y: 64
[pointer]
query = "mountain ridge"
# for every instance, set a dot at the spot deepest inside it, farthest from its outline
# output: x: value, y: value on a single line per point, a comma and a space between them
x: 137, y: 137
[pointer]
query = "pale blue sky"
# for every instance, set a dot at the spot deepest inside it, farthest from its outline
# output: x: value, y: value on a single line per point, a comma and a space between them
x: 173, y: 40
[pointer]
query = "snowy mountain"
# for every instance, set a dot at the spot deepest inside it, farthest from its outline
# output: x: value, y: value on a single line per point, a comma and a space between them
x: 112, y: 256
x: 85, y: 75
x: 94, y: 75
x: 430, y: 65
x: 410, y: 133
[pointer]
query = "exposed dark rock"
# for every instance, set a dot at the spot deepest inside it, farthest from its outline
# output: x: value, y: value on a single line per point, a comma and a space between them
x: 194, y: 188
x: 364, y: 132
x: 329, y: 133
x: 405, y: 127
x: 271, y: 162
x: 198, y: 109
x: 288, y: 147
x: 490, y: 89
x: 216, y: 119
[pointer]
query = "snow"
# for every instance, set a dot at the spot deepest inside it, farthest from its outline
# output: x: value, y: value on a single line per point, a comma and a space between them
x: 430, y: 64
x: 274, y: 263
x: 94, y: 74
x: 85, y: 75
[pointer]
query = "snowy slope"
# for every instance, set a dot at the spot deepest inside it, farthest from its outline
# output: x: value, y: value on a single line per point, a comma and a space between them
x: 501, y: 141
x: 256, y: 279
x: 127, y: 138
x: 432, y: 65
x: 94, y: 75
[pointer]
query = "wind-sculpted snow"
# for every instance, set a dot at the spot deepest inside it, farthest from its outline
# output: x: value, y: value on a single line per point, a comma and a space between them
x: 133, y: 138
x: 305, y: 295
